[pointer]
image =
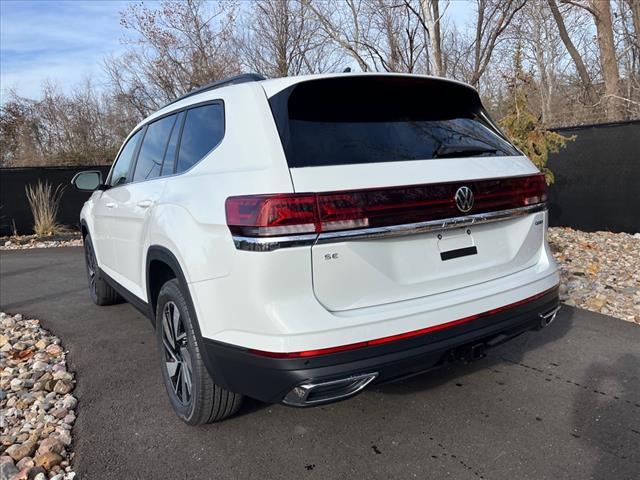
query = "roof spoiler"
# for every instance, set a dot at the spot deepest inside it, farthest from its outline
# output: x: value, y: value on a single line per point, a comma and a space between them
x: 244, y: 78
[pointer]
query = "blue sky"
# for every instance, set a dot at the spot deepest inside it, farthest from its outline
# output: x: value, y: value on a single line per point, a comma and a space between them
x: 66, y: 41
x: 61, y: 41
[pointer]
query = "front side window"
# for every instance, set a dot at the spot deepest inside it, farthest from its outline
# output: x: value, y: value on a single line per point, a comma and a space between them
x: 203, y: 130
x: 153, y: 147
x: 119, y: 174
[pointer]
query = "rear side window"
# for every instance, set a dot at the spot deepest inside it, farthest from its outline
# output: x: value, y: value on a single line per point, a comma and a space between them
x: 203, y: 130
x: 120, y: 172
x: 383, y: 119
x: 154, y: 144
x: 172, y: 146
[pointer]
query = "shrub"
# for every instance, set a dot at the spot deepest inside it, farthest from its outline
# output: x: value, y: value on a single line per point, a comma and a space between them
x: 44, y: 202
x: 526, y: 130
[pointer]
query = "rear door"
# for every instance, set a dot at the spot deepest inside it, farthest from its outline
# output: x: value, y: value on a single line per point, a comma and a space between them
x: 398, y: 150
x: 135, y: 201
x: 171, y: 146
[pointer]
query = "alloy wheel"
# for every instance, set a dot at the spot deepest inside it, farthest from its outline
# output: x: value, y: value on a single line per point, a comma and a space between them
x: 177, y: 357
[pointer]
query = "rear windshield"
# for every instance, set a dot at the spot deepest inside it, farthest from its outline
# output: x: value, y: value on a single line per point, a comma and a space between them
x: 355, y: 120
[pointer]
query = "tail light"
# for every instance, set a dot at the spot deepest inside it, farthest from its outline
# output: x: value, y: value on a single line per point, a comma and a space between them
x: 309, y: 213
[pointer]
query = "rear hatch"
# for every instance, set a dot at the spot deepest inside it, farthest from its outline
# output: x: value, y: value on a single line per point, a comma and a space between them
x: 393, y: 159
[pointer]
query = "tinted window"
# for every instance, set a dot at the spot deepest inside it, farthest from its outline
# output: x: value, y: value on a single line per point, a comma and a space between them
x: 123, y: 163
x: 170, y: 154
x: 203, y: 130
x: 377, y: 119
x: 153, y: 147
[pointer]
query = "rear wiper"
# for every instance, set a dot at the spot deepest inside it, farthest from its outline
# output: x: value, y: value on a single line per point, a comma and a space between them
x: 444, y: 151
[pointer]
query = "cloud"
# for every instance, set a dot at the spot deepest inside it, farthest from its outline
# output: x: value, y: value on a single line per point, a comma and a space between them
x: 60, y: 41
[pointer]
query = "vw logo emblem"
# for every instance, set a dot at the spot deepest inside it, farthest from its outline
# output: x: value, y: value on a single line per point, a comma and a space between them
x: 464, y: 199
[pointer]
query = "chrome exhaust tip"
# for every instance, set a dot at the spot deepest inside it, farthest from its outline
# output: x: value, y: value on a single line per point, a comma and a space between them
x: 314, y: 393
x: 547, y: 318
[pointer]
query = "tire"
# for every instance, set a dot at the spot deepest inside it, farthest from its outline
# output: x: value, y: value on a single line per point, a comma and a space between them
x: 101, y: 292
x: 193, y: 394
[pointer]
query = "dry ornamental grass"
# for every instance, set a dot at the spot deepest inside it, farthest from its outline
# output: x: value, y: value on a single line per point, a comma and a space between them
x: 44, y: 202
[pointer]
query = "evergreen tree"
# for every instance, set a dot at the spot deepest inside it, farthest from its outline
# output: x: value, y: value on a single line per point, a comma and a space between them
x: 527, y: 131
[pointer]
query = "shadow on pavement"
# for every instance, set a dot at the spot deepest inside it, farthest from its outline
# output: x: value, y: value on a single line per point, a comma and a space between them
x: 602, y: 408
x: 513, y: 350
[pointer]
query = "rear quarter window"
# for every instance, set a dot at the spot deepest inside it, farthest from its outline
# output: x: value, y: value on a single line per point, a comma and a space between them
x: 356, y: 120
x: 202, y: 132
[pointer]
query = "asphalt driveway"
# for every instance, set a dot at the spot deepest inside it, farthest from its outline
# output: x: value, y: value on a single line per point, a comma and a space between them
x: 561, y: 403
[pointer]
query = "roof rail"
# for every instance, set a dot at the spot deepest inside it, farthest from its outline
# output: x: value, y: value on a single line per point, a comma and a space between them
x: 244, y: 78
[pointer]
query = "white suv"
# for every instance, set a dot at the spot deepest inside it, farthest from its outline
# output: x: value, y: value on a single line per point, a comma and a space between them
x: 296, y: 239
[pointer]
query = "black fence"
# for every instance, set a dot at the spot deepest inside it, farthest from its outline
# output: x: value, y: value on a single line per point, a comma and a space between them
x: 14, y: 208
x: 597, y: 179
x: 597, y: 184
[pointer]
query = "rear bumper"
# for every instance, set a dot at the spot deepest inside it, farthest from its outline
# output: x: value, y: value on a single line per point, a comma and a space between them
x: 271, y: 379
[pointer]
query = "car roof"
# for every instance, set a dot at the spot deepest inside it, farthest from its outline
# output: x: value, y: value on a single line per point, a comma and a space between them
x: 275, y: 85
x: 272, y: 86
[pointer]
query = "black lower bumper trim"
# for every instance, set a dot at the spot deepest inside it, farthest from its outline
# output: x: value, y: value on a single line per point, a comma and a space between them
x: 270, y: 379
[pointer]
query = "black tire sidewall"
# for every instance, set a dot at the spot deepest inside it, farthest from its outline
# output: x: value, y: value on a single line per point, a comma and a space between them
x: 88, y: 246
x: 171, y: 292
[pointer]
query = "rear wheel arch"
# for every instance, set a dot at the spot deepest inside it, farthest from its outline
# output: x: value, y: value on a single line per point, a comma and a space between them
x: 161, y: 258
x: 161, y: 266
x: 84, y: 229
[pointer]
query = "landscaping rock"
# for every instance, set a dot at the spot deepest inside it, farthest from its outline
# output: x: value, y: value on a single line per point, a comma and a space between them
x: 50, y: 444
x: 47, y: 460
x: 18, y: 452
x: 62, y: 387
x: 7, y: 467
x: 24, y: 242
x: 600, y: 271
x: 36, y: 408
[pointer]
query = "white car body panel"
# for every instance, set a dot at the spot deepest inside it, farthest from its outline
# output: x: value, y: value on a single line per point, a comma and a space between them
x: 289, y: 300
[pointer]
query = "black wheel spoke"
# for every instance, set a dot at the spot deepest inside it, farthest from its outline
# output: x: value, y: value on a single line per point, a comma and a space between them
x: 177, y: 356
x: 178, y: 380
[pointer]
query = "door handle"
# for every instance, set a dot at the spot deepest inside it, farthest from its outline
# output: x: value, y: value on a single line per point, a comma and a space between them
x: 110, y: 205
x: 145, y: 203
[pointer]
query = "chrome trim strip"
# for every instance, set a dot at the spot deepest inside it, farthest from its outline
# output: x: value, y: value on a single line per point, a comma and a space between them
x: 430, y: 226
x: 267, y: 244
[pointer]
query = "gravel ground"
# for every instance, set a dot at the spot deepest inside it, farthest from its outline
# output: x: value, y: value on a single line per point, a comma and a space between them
x: 600, y: 271
x: 37, y: 410
x: 24, y: 242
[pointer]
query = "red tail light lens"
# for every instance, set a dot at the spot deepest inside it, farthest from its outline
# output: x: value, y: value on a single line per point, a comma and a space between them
x: 306, y: 213
x: 341, y: 211
x: 270, y: 215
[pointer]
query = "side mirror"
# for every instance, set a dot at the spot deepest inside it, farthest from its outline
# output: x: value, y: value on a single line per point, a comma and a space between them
x: 87, y: 181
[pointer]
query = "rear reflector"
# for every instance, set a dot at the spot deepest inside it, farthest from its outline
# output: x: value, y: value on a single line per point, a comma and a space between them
x: 400, y: 336
x: 308, y: 213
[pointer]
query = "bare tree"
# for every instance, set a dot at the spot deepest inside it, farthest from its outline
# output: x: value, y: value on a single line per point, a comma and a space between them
x: 177, y: 47
x: 431, y: 13
x: 343, y: 24
x: 492, y: 19
x: 85, y: 127
x: 380, y: 35
x: 573, y: 52
x: 600, y: 11
x: 634, y: 6
x: 283, y: 39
